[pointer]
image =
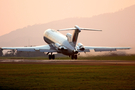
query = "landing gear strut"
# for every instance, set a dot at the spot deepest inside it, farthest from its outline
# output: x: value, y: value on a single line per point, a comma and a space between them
x: 74, y: 57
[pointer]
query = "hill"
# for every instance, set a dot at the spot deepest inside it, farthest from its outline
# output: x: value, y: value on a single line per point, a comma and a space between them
x: 118, y: 30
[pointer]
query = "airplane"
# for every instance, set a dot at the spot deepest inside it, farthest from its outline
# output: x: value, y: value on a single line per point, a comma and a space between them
x: 66, y: 45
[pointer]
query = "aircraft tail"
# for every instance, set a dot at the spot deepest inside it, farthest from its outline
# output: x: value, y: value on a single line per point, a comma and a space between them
x: 77, y: 30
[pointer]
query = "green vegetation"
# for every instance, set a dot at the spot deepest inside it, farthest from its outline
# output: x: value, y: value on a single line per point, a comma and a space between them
x: 29, y: 58
x: 50, y: 77
x: 117, y: 57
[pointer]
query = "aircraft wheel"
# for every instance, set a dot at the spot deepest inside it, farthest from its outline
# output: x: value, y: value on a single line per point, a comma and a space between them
x: 72, y: 57
x: 75, y: 56
x: 50, y: 56
x: 53, y: 56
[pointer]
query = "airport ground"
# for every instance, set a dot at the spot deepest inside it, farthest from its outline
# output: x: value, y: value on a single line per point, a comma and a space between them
x: 67, y: 74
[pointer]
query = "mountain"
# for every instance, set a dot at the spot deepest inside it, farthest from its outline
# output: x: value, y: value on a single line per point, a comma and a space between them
x: 118, y: 30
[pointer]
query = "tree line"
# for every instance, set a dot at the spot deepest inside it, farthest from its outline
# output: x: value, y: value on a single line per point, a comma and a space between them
x: 15, y: 53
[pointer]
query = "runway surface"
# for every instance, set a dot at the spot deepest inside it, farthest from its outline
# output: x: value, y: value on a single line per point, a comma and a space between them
x: 74, y: 62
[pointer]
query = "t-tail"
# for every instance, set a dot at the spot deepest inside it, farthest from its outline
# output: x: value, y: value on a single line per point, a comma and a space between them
x: 77, y: 30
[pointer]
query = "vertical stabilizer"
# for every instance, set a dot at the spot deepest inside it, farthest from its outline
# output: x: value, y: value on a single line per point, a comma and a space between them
x: 75, y: 35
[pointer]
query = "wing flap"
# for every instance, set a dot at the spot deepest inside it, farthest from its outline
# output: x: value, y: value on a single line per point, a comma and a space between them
x: 27, y: 50
x: 104, y: 49
x: 86, y: 50
x: 46, y: 50
x: 100, y: 49
x: 43, y: 48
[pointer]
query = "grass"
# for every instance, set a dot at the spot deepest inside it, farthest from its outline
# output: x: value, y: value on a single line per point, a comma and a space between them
x: 29, y: 58
x: 117, y: 57
x: 65, y: 77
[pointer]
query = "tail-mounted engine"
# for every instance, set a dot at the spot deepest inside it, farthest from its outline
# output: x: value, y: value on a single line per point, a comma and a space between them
x: 69, y: 37
x: 59, y: 46
x: 81, y: 47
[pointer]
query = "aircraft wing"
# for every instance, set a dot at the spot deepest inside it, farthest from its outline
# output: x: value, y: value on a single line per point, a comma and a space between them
x: 100, y: 49
x: 43, y: 48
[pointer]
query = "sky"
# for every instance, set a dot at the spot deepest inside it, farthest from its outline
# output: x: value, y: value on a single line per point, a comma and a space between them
x: 15, y: 14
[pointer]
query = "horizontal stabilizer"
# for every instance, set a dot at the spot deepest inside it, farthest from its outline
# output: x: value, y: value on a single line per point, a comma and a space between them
x: 66, y: 29
x: 78, y: 28
x: 90, y: 29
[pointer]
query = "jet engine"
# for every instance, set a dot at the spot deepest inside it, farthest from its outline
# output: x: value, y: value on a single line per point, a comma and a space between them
x: 81, y: 47
x: 59, y: 46
x: 69, y: 37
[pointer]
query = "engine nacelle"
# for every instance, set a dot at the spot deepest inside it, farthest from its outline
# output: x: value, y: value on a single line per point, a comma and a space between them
x: 81, y: 47
x: 69, y: 37
x: 75, y: 51
x: 59, y: 46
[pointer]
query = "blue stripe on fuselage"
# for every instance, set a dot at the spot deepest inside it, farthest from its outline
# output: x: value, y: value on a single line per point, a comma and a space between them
x: 47, y: 40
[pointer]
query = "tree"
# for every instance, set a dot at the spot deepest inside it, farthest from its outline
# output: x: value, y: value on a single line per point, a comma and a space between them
x: 1, y: 52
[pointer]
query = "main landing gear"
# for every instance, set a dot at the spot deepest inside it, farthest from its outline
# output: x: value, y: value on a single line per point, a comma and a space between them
x: 73, y: 56
x: 51, y: 56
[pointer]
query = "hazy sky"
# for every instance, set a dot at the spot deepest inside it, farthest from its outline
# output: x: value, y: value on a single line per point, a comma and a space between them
x: 15, y: 14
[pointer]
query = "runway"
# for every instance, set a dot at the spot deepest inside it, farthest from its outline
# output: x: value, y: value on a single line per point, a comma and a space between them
x: 74, y: 62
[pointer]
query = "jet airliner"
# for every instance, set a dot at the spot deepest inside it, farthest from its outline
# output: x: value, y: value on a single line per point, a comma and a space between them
x: 66, y: 45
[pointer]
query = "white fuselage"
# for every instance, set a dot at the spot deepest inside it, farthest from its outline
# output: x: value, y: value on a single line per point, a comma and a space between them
x: 57, y: 40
